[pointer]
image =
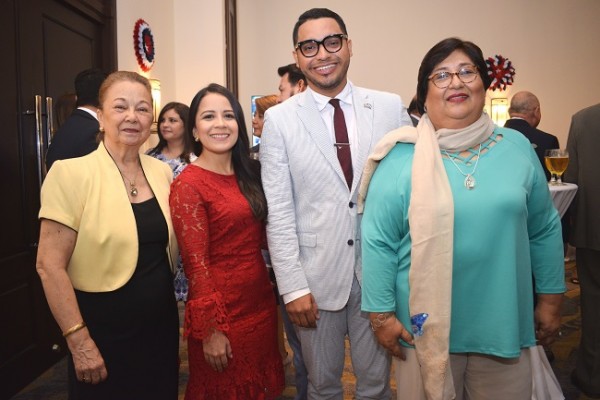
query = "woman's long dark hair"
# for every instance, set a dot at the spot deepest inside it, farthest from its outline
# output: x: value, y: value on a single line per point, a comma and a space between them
x: 189, y: 146
x: 247, y: 170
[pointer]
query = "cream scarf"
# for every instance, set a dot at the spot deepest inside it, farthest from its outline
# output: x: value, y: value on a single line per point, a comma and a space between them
x: 431, y: 221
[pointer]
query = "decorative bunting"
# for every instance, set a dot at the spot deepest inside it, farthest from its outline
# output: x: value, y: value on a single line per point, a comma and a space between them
x: 501, y: 71
x: 143, y: 44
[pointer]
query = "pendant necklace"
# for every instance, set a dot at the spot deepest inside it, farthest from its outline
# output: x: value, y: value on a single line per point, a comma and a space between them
x: 469, y: 179
x: 132, y: 186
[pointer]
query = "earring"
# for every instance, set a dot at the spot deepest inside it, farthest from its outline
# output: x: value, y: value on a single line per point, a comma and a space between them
x: 101, y: 129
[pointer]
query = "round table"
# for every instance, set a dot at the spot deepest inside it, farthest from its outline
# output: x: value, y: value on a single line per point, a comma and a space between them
x: 562, y: 196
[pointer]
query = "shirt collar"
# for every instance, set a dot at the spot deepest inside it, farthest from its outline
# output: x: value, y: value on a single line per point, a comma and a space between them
x: 322, y: 101
x: 89, y: 111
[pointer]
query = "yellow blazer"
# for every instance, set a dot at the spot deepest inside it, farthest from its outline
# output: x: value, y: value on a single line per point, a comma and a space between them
x: 87, y: 195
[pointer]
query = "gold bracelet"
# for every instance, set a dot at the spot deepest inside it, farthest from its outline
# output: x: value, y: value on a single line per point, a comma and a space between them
x: 74, y: 329
x: 379, y: 320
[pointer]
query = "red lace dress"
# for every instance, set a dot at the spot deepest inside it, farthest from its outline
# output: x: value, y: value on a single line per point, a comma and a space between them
x: 229, y: 289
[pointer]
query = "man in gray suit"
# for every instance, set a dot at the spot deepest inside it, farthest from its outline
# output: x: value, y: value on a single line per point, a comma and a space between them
x: 584, y: 147
x: 312, y: 155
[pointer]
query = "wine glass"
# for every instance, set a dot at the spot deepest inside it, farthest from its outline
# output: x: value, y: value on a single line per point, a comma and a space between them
x: 556, y: 161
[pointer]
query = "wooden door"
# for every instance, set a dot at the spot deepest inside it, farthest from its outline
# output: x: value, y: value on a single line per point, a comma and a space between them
x: 47, y: 43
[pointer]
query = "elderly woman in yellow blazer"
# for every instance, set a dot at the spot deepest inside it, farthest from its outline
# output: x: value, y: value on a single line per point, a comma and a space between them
x: 106, y: 253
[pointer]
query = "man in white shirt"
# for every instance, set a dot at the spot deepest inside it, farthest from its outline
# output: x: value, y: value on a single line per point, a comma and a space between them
x: 311, y: 179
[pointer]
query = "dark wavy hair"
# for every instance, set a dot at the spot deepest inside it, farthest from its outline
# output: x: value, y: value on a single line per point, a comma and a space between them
x: 317, y: 13
x: 247, y: 170
x: 439, y: 53
x: 189, y: 145
x: 294, y: 73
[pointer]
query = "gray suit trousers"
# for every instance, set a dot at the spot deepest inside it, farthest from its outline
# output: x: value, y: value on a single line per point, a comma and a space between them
x: 324, y: 354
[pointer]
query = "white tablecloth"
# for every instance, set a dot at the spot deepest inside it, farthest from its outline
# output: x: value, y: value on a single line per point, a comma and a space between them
x: 562, y: 196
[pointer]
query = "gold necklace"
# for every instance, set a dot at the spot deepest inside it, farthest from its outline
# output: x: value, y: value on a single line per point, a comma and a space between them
x: 132, y: 188
x: 132, y: 185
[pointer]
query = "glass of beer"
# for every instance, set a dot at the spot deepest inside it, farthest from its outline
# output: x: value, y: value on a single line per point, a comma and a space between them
x: 556, y: 161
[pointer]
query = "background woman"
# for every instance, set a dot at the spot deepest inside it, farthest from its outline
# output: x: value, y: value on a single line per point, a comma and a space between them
x: 175, y: 147
x: 104, y: 252
x: 258, y: 119
x: 64, y: 106
x: 454, y: 228
x: 219, y: 211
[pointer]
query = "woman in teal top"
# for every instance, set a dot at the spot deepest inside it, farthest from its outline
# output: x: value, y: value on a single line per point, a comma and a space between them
x: 454, y: 228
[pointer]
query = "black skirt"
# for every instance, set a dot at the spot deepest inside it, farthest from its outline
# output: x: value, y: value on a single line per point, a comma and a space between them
x: 135, y: 327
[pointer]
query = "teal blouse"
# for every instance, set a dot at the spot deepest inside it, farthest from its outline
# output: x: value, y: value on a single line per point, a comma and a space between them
x: 506, y: 232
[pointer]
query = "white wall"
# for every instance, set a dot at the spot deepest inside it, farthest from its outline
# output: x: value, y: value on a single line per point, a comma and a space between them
x: 188, y: 37
x: 553, y: 44
x: 159, y: 15
x: 199, y: 47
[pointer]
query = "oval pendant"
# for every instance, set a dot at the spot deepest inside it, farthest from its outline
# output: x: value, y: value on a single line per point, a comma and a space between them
x: 133, y: 192
x: 469, y: 182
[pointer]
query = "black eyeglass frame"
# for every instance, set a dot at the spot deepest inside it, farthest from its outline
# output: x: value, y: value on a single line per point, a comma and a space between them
x: 340, y: 36
x: 475, y: 75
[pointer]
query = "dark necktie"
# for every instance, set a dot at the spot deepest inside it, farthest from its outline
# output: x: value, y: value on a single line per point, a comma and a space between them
x: 341, y: 141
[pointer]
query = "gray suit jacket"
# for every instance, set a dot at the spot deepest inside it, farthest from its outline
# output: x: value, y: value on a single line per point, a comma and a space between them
x: 584, y: 163
x: 313, y: 228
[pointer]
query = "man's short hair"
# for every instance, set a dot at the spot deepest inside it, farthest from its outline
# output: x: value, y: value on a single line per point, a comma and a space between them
x: 317, y: 13
x: 87, y: 86
x: 294, y: 73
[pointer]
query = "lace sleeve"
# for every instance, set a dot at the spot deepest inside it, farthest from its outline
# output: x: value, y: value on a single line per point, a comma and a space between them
x: 205, y: 310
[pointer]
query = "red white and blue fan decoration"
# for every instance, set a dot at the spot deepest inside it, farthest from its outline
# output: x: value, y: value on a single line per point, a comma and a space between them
x: 501, y: 71
x: 143, y: 44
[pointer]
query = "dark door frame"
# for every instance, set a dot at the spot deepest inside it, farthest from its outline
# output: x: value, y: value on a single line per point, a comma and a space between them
x: 31, y: 340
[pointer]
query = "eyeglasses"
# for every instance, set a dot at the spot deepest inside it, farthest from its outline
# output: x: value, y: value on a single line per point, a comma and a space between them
x: 331, y: 43
x: 443, y: 79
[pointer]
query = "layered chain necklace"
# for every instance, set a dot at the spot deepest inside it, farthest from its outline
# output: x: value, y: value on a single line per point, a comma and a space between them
x: 469, y: 179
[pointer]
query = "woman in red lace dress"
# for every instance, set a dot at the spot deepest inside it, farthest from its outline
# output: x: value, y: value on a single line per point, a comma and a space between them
x: 219, y: 211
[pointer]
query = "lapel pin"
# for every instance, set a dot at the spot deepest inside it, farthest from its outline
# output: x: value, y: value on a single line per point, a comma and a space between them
x: 367, y: 105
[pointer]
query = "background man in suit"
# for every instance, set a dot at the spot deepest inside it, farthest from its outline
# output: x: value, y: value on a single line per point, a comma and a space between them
x: 292, y: 81
x: 310, y: 176
x: 77, y: 136
x: 525, y: 116
x: 584, y: 147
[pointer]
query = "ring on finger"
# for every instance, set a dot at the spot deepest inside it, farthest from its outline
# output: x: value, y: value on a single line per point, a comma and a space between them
x: 84, y: 379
